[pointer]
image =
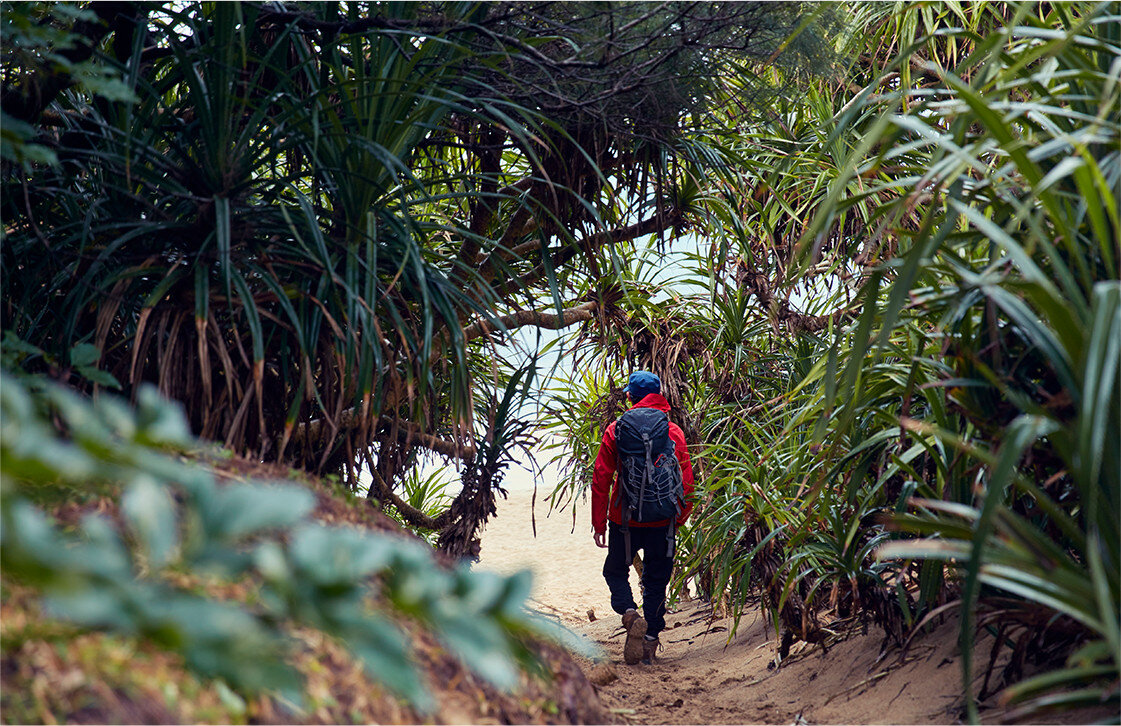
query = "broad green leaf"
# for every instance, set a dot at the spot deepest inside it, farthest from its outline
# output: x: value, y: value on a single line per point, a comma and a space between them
x: 150, y: 511
x: 92, y: 608
x: 337, y: 555
x: 481, y: 645
x: 238, y: 510
x: 381, y: 648
x: 100, y: 377
x: 159, y: 420
x: 84, y: 354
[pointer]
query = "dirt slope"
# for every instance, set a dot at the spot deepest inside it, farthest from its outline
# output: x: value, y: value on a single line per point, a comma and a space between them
x: 53, y: 673
x: 703, y: 676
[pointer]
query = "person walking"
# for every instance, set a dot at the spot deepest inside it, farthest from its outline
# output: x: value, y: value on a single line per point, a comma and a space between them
x: 642, y: 490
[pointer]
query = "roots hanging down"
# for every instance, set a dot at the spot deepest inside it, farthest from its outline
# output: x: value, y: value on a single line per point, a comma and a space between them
x: 474, y: 505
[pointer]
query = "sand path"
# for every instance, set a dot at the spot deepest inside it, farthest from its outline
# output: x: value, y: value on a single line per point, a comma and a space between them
x: 704, y: 676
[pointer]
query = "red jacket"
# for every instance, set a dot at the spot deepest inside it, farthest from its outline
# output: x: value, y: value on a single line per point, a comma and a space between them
x: 605, y: 481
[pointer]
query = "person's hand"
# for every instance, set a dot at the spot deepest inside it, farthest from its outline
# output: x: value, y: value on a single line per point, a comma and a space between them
x: 601, y: 539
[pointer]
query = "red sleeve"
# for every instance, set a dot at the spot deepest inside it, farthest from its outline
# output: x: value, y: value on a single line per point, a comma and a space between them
x: 602, y: 477
x: 682, y: 452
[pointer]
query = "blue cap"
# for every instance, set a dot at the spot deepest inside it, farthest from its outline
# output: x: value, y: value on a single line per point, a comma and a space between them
x: 642, y: 383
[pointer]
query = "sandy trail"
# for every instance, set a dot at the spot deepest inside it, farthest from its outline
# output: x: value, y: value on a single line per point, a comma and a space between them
x: 704, y: 675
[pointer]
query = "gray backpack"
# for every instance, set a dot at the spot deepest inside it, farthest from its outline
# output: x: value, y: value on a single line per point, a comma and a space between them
x: 650, y: 486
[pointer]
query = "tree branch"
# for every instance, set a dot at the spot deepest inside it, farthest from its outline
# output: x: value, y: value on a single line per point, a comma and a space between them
x: 651, y: 225
x: 781, y: 310
x: 412, y: 516
x: 407, y: 431
x: 538, y: 318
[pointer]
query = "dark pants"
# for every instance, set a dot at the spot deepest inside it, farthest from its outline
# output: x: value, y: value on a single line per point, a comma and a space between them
x: 657, y: 565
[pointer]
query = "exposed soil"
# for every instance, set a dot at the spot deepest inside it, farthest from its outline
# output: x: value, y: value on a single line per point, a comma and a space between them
x: 706, y: 675
x: 703, y: 676
x: 53, y: 673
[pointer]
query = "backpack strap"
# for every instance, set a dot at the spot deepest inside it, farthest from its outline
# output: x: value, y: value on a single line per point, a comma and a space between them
x: 647, y: 444
x: 671, y: 530
x: 671, y: 535
x: 626, y: 526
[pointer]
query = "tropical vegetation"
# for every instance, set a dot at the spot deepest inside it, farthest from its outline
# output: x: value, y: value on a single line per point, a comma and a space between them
x: 311, y: 224
x: 897, y: 346
x: 873, y: 256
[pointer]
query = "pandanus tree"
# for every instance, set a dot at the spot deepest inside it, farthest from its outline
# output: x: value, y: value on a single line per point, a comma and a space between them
x: 311, y: 223
x: 913, y: 307
x: 981, y: 373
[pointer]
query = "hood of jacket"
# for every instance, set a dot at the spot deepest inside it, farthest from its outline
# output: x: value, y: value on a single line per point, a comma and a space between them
x: 653, y: 400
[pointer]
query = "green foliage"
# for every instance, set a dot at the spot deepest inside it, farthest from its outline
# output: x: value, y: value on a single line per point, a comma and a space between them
x: 177, y: 519
x: 312, y: 224
x: 260, y: 234
x: 35, y: 38
x: 840, y: 554
x: 427, y: 493
x: 909, y: 318
x: 81, y: 361
x: 908, y: 312
x: 570, y: 415
x: 1013, y: 263
x: 294, y: 216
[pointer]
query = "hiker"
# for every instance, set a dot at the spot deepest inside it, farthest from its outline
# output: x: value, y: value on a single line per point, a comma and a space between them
x: 643, y: 484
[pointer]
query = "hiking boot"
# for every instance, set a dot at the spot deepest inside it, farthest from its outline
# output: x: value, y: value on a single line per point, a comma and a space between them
x: 650, y: 648
x: 635, y: 626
